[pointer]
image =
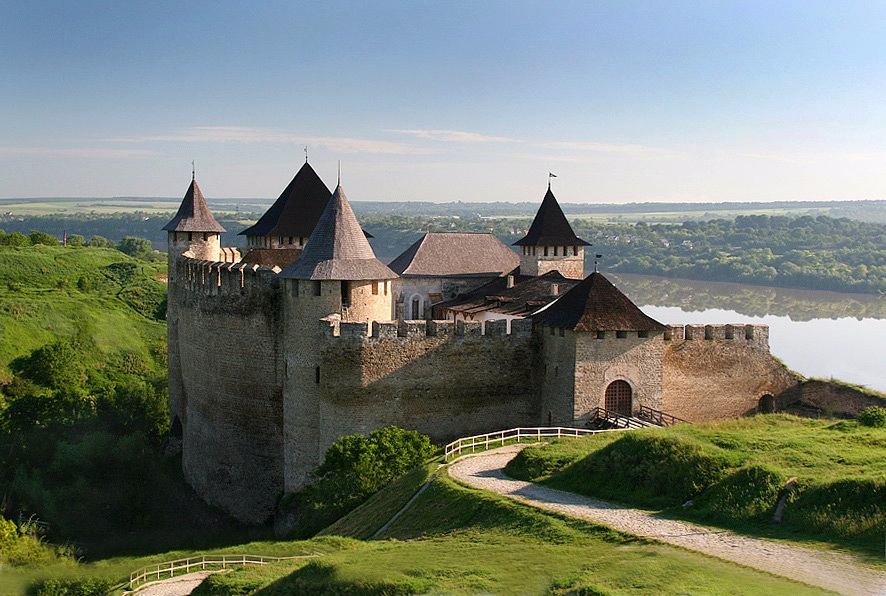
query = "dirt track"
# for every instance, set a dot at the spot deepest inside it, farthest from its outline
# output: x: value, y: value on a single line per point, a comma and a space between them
x: 832, y: 571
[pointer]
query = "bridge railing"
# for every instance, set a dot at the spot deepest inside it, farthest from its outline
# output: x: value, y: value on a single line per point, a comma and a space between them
x: 500, y: 438
x: 659, y: 417
x: 159, y: 571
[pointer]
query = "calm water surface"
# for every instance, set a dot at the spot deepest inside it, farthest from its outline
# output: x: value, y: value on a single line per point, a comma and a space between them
x: 818, y: 334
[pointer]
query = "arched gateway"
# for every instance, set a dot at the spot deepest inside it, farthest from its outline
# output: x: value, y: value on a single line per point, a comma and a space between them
x: 618, y: 398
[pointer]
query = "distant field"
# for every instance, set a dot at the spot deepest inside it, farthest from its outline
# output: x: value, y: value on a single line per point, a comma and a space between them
x: 153, y: 205
x: 596, y: 212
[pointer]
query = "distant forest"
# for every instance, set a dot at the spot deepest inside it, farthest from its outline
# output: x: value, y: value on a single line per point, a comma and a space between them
x: 807, y: 252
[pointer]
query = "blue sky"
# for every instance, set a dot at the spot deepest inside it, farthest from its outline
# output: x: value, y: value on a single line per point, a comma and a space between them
x: 473, y: 101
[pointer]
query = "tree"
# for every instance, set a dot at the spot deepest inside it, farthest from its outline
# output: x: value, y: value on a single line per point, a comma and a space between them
x: 140, y: 248
x: 43, y: 238
x: 76, y: 240
x: 15, y: 239
x: 98, y: 242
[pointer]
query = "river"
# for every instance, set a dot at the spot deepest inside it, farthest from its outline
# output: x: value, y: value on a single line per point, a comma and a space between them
x: 818, y: 334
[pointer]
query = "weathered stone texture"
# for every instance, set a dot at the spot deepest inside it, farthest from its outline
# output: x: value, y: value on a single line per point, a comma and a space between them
x: 828, y: 397
x: 231, y: 391
x: 709, y: 377
x: 599, y: 362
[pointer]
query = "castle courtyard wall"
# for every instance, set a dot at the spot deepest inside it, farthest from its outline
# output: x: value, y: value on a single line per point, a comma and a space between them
x: 228, y: 349
x: 433, y: 377
x: 720, y: 371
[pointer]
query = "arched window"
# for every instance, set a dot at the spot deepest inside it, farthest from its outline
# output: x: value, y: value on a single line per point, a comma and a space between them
x: 618, y: 398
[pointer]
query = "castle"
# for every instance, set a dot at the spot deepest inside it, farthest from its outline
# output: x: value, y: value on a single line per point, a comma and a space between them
x: 307, y: 336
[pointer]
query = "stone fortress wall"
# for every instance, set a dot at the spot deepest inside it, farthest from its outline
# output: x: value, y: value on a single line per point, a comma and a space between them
x: 268, y: 379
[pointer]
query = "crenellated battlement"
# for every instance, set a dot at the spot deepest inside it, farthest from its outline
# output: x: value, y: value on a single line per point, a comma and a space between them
x: 749, y: 334
x: 216, y: 278
x: 334, y: 327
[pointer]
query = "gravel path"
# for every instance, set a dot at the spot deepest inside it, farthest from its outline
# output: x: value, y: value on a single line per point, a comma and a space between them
x: 180, y: 585
x: 832, y: 571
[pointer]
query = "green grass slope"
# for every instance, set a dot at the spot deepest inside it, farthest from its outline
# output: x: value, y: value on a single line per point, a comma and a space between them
x: 459, y: 540
x: 734, y: 472
x: 97, y: 294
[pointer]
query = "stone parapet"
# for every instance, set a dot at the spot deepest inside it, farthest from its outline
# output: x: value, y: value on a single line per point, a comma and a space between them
x: 334, y: 327
x: 750, y: 334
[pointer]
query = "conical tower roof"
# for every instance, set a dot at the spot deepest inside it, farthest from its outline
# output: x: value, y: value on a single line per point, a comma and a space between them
x: 337, y: 249
x: 193, y: 214
x: 550, y: 227
x: 297, y: 210
x: 596, y: 305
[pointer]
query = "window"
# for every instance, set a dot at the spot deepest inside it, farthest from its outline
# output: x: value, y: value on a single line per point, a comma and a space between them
x: 600, y: 335
x: 621, y: 334
x: 416, y: 308
x: 317, y: 375
x: 375, y: 288
x: 642, y: 334
x: 345, y: 294
x: 546, y: 251
x: 317, y: 288
x: 562, y: 332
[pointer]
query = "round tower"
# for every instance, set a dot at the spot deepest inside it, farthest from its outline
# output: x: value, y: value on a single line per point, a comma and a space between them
x: 337, y: 277
x: 550, y: 244
x: 193, y: 229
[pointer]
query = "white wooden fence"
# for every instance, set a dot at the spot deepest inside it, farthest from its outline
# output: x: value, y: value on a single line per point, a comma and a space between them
x: 496, y: 439
x: 153, y: 573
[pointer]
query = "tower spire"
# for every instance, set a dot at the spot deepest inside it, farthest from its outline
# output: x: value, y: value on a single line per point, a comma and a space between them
x: 193, y: 170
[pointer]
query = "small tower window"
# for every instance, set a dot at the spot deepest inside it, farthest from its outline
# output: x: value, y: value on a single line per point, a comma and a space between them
x: 317, y: 288
x: 190, y: 236
x: 375, y: 287
x: 621, y: 334
x: 600, y: 334
x: 555, y: 251
x: 345, y: 293
x: 546, y: 251
x: 317, y: 375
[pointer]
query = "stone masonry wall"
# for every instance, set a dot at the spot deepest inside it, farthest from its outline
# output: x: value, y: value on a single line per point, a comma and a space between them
x: 599, y: 362
x: 720, y: 371
x: 558, y: 375
x: 228, y: 333
x: 434, y: 377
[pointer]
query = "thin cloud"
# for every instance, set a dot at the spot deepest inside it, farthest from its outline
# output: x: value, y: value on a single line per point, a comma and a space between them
x: 774, y: 157
x: 86, y: 152
x: 249, y: 135
x: 454, y: 136
x: 618, y: 148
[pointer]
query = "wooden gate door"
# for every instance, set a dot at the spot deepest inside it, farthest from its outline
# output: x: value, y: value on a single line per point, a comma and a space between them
x: 618, y: 398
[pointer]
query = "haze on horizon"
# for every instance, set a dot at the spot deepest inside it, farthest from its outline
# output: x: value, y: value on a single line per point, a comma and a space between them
x: 472, y: 101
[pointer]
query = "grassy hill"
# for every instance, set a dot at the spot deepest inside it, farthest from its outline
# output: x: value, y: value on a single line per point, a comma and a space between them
x: 99, y: 294
x: 732, y: 472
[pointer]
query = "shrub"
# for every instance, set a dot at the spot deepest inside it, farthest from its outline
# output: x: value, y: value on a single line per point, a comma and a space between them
x: 748, y: 493
x: 354, y: 468
x: 873, y: 416
x: 76, y: 240
x: 72, y: 587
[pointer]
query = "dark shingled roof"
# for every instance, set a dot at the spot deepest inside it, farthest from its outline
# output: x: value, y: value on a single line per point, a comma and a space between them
x: 528, y: 294
x: 596, y: 305
x: 456, y: 254
x: 297, y: 210
x: 337, y: 248
x: 550, y: 228
x: 193, y: 214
